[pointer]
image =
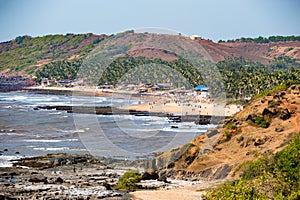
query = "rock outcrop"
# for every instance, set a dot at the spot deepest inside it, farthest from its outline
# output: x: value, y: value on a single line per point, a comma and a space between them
x: 244, y: 137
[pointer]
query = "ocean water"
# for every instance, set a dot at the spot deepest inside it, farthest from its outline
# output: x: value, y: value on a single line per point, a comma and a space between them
x: 28, y: 132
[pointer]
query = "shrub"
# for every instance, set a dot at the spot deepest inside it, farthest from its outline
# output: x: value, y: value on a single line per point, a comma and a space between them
x: 129, y: 180
x: 230, y: 125
x: 270, y: 177
x: 227, y: 135
x: 261, y: 122
x: 235, y: 190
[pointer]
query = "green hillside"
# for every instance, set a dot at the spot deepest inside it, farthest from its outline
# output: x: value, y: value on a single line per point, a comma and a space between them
x: 24, y: 53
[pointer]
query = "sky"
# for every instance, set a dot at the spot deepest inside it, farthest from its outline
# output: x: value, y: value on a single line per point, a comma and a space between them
x: 211, y: 19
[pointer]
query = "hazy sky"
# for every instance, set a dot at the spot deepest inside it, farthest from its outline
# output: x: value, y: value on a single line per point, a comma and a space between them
x: 213, y: 19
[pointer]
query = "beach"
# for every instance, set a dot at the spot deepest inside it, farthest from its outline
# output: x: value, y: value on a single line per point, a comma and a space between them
x: 152, y: 102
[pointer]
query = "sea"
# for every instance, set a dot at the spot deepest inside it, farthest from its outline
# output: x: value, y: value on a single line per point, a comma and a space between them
x: 27, y: 132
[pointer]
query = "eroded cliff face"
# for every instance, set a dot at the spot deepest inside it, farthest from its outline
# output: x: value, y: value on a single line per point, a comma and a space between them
x: 266, y: 125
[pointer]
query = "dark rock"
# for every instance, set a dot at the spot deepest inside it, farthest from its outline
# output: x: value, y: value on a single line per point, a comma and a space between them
x: 285, y: 114
x: 163, y: 178
x: 267, y: 113
x: 293, y: 87
x: 276, y: 96
x: 260, y: 141
x: 150, y: 176
x: 59, y: 180
x: 279, y: 129
x: 212, y: 133
x: 222, y: 172
x: 206, y: 173
x: 5, y: 150
x: 240, y: 139
x: 171, y: 165
x: 107, y: 186
x: 5, y: 197
x: 38, y: 179
x: 190, y: 159
x: 13, y: 174
x: 206, y: 151
x: 251, y: 117
x: 17, y: 152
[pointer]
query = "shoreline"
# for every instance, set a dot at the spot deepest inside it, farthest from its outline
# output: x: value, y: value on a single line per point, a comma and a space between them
x: 84, y: 176
x: 152, y: 103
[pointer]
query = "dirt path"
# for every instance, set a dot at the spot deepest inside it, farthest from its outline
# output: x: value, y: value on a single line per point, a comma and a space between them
x: 184, y: 192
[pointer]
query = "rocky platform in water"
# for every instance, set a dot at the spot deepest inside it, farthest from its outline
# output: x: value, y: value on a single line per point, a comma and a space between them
x: 107, y: 110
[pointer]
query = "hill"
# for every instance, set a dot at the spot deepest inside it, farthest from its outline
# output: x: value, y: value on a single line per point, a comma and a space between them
x: 25, y: 54
x: 265, y: 126
x: 260, y: 52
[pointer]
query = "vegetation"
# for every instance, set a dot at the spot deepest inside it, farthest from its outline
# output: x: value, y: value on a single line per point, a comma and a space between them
x: 25, y: 51
x: 59, y: 70
x: 129, y: 180
x: 270, y: 177
x: 242, y: 78
x: 261, y: 122
x: 245, y: 78
x: 261, y: 39
x: 283, y: 86
x: 230, y: 125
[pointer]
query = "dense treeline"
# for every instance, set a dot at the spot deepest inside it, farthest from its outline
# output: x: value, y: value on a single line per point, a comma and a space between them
x: 59, y: 70
x: 239, y: 77
x: 244, y: 78
x: 261, y: 39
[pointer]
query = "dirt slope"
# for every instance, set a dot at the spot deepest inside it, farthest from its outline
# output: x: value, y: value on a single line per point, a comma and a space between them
x: 217, y: 154
x: 261, y: 52
x: 252, y: 50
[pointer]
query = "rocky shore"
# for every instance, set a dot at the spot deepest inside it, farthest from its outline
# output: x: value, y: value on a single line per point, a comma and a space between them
x: 74, y: 176
x: 60, y: 176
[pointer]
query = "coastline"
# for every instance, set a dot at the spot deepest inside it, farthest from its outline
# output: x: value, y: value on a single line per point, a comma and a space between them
x: 151, y: 103
x: 77, y: 176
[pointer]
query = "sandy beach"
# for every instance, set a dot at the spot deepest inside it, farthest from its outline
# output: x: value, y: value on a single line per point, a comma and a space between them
x: 160, y: 103
x: 183, y: 190
x: 191, y: 108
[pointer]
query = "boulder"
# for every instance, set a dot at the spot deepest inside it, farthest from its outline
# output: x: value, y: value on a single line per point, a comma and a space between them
x: 267, y: 113
x: 251, y: 117
x: 59, y: 180
x: 285, y: 114
x: 150, y: 175
x: 279, y: 129
x: 38, y: 179
x: 260, y: 141
x: 163, y: 178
